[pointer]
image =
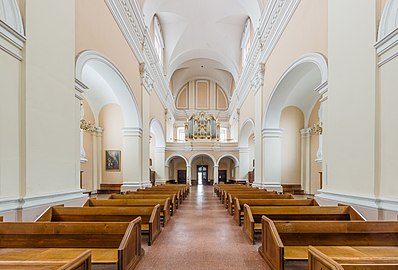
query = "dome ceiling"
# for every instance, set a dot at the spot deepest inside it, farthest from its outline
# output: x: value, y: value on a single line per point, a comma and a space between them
x: 205, y: 32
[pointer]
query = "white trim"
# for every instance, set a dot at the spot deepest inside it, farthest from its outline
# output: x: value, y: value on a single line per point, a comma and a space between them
x: 362, y: 200
x: 191, y: 159
x: 272, y: 133
x: 156, y: 128
x: 10, y: 204
x: 131, y: 132
x: 10, y: 14
x: 11, y: 41
x: 235, y: 159
x: 388, y: 21
x: 388, y: 59
x: 167, y: 162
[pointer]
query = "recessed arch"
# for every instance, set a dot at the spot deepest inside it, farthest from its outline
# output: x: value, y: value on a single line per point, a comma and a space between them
x: 246, y: 130
x: 296, y: 87
x: 11, y: 15
x: 192, y: 158
x: 389, y: 19
x: 92, y: 68
x: 157, y: 129
x: 173, y: 156
x: 235, y: 159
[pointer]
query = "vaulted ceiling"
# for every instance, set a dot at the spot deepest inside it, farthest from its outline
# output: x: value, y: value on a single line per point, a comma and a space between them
x: 202, y: 37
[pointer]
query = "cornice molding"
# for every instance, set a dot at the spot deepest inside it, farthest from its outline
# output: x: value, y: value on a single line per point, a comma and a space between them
x: 274, y: 21
x: 128, y: 15
x: 11, y: 41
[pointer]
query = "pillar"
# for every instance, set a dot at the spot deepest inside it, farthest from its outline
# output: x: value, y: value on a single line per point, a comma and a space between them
x: 215, y: 173
x: 97, y: 158
x: 306, y: 160
x: 272, y: 166
x: 244, y: 156
x: 189, y: 176
x: 160, y: 166
x: 131, y: 159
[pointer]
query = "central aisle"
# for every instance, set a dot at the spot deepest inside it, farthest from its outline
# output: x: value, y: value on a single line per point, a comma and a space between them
x: 202, y: 235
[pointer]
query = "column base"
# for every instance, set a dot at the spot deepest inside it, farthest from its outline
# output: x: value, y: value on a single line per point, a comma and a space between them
x: 133, y: 186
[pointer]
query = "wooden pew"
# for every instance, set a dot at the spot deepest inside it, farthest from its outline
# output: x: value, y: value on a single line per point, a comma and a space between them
x: 227, y: 194
x: 224, y: 191
x: 253, y: 214
x: 217, y: 187
x: 150, y: 216
x: 238, y: 205
x: 134, y: 195
x: 177, y: 194
x: 265, y: 195
x: 111, y: 243
x: 164, y: 205
x: 346, y: 258
x: 44, y: 259
x: 285, y: 243
x: 184, y: 188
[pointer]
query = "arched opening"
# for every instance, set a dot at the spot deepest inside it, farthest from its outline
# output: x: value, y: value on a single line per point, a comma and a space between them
x: 389, y: 19
x: 246, y: 151
x: 109, y: 101
x: 177, y: 166
x: 157, y: 144
x: 203, y: 168
x: 286, y: 131
x: 228, y: 168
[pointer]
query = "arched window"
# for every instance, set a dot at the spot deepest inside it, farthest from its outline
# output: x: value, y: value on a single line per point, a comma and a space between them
x: 245, y: 44
x: 158, y: 39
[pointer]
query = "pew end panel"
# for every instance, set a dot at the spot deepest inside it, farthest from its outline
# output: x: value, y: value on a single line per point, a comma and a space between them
x: 237, y: 211
x: 248, y: 224
x: 317, y: 261
x: 130, y: 251
x: 272, y: 248
x: 354, y: 214
x: 154, y: 225
x: 82, y: 262
x: 47, y: 215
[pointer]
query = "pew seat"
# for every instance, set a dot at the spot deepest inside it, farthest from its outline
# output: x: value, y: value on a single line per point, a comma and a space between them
x: 46, y: 259
x: 136, y: 195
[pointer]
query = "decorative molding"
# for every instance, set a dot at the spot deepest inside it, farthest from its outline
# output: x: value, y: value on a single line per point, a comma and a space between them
x: 80, y: 88
x: 11, y: 41
x: 10, y: 14
x: 322, y: 88
x: 272, y: 133
x: 257, y: 82
x: 367, y: 201
x: 388, y: 21
x: 275, y: 19
x: 132, y: 132
x: 129, y: 16
x: 146, y: 79
x: 11, y: 204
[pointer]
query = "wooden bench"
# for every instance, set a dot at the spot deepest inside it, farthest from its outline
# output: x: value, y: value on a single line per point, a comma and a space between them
x: 111, y: 243
x: 134, y: 195
x: 265, y: 195
x: 217, y: 187
x: 109, y: 188
x: 253, y: 214
x: 285, y: 243
x: 45, y: 259
x: 351, y: 258
x: 150, y: 216
x: 164, y: 205
x: 180, y: 193
x: 230, y: 194
x: 238, y: 205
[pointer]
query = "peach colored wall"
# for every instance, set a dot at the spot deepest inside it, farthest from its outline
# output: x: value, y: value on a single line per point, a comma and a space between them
x: 157, y: 111
x: 87, y: 168
x: 111, y: 120
x: 175, y: 165
x: 292, y: 121
x: 97, y: 30
x: 182, y: 99
x: 221, y: 100
x: 316, y: 167
x: 307, y: 33
x: 247, y: 109
x: 202, y: 94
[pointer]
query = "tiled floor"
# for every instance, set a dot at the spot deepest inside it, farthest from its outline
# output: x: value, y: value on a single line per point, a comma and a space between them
x: 202, y: 235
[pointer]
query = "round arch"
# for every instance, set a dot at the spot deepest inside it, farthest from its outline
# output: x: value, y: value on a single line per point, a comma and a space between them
x: 244, y: 134
x: 191, y: 159
x: 11, y: 15
x: 170, y: 158
x: 99, y: 74
x: 389, y: 19
x: 296, y: 87
x: 157, y: 129
x: 235, y: 159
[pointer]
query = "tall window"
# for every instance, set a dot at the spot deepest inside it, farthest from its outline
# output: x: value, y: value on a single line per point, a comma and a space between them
x: 223, y: 134
x: 245, y: 45
x: 181, y: 134
x: 158, y: 39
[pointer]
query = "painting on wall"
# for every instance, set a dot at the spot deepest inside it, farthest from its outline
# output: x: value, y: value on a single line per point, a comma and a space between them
x: 112, y: 160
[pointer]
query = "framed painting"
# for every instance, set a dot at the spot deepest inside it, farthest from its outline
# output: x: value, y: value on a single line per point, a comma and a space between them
x: 112, y: 160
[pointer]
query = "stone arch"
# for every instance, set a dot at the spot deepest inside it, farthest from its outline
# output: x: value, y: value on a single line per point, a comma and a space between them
x: 95, y: 70
x: 246, y: 130
x: 299, y: 86
x: 11, y: 15
x: 170, y: 158
x: 389, y: 19
x: 235, y: 159
x: 157, y: 129
x: 191, y: 159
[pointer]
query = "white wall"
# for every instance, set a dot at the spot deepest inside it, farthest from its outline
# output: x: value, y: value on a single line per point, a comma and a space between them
x: 351, y: 108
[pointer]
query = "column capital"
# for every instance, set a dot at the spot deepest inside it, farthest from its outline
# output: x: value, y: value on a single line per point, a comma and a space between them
x: 271, y: 133
x: 188, y: 166
x: 216, y: 166
x: 131, y: 132
x: 305, y: 131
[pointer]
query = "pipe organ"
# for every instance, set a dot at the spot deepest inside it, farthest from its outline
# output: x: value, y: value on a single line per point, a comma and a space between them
x: 202, y: 126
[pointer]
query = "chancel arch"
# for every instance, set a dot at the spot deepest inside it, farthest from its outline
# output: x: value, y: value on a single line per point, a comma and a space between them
x: 106, y: 90
x: 301, y: 86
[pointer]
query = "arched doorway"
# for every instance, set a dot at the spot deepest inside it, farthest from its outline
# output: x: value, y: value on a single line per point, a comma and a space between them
x: 228, y: 168
x: 204, y: 169
x: 176, y: 169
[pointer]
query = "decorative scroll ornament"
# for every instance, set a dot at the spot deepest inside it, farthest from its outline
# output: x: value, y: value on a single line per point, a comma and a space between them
x: 146, y: 80
x: 258, y: 80
x: 202, y: 126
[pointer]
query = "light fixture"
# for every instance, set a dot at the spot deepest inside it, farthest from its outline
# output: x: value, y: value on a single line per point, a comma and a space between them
x: 316, y: 129
x: 86, y: 125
